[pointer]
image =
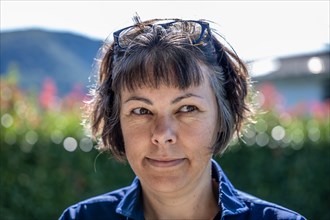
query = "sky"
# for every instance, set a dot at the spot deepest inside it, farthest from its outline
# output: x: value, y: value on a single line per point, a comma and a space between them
x: 256, y: 29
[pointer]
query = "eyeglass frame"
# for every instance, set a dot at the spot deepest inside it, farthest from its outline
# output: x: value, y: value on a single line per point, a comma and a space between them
x: 203, y: 24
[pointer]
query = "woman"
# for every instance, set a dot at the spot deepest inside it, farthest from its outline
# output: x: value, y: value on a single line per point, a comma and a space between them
x: 170, y: 96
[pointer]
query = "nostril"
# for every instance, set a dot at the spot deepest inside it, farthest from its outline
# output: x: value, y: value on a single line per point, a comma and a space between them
x: 169, y: 141
x: 163, y: 132
x: 162, y: 141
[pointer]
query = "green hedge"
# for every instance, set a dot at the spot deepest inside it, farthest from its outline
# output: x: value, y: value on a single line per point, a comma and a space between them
x: 41, y: 183
x: 48, y: 164
x: 298, y: 180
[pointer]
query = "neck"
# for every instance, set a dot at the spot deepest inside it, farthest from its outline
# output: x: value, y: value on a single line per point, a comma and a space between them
x: 198, y: 201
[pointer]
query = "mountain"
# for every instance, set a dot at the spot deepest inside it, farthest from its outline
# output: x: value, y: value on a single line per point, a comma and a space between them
x: 67, y: 58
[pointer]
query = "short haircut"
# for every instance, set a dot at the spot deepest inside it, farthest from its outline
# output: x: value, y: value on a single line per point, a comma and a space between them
x: 155, y: 57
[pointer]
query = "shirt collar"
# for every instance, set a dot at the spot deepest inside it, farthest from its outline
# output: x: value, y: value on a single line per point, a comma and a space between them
x: 228, y: 198
x: 131, y: 205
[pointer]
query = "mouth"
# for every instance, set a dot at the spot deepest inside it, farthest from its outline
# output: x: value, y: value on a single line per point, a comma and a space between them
x: 165, y: 162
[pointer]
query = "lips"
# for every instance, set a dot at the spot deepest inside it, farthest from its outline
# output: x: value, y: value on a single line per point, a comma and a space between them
x: 165, y: 162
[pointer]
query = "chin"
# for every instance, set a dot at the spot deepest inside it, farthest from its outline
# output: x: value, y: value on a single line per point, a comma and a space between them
x: 164, y: 183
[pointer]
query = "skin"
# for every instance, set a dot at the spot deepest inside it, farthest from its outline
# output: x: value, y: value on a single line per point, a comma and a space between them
x: 168, y: 134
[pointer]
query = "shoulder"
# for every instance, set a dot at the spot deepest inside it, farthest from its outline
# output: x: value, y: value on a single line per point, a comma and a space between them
x: 261, y: 209
x: 97, y: 208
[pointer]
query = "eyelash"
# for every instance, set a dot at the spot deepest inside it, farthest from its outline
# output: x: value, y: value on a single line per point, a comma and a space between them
x: 144, y: 111
x: 190, y: 108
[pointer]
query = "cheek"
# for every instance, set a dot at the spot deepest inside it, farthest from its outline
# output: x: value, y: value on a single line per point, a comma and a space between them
x: 202, y: 134
x: 135, y: 138
x: 205, y: 139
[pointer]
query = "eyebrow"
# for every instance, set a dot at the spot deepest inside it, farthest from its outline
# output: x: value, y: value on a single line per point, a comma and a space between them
x: 185, y: 96
x: 137, y: 98
x: 174, y: 101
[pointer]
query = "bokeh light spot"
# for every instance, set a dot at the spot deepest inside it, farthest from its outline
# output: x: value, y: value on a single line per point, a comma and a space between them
x: 249, y: 133
x: 86, y: 144
x: 31, y: 137
x: 314, y: 134
x: 7, y: 120
x: 70, y: 144
x: 262, y: 139
x: 278, y: 133
x: 315, y: 65
x: 56, y: 136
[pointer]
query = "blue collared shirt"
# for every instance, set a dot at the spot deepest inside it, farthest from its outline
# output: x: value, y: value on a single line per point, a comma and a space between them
x: 126, y: 203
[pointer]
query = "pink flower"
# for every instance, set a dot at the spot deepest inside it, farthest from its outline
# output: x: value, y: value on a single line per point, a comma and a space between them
x: 47, y: 97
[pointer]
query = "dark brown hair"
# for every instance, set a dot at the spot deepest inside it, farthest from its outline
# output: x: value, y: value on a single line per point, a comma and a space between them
x: 156, y: 56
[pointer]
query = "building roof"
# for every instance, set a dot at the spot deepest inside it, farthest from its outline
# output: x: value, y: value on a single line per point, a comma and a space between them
x: 315, y: 63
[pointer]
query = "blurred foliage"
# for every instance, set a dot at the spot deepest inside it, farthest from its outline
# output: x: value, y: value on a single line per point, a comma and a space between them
x: 47, y: 163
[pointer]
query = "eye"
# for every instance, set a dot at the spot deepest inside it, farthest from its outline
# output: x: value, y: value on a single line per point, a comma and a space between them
x: 141, y: 111
x: 188, y: 108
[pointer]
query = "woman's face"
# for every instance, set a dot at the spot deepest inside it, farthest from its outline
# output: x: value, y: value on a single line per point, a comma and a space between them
x: 168, y: 134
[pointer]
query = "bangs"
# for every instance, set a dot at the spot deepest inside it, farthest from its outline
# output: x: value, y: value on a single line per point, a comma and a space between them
x: 172, y: 67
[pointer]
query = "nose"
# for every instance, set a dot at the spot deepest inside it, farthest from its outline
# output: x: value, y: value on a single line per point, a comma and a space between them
x: 163, y: 131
